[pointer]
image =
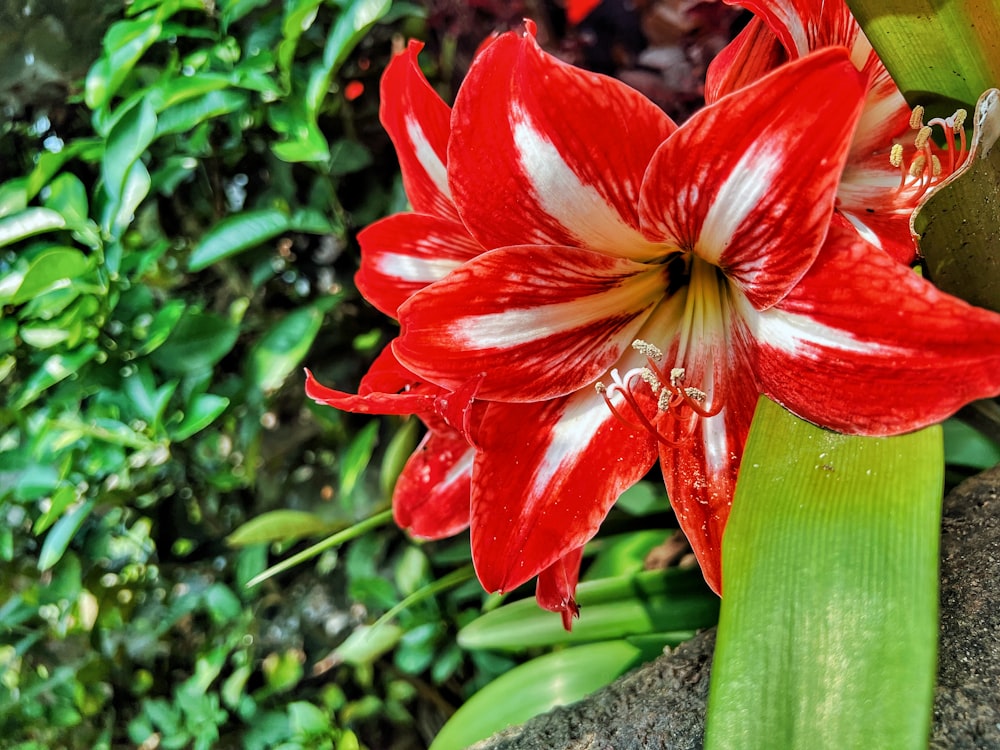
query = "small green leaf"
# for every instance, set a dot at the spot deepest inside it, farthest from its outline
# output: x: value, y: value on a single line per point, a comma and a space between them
x: 647, y: 602
x: 356, y: 458
x: 237, y: 233
x: 124, y: 44
x: 53, y: 268
x: 283, y: 347
x: 200, y: 413
x: 278, y: 526
x: 534, y: 688
x: 368, y: 643
x: 185, y: 116
x: 30, y: 221
x: 56, y: 368
x: 198, y: 341
x: 61, y: 534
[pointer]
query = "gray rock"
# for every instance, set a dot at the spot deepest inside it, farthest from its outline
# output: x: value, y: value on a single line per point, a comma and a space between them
x: 661, y: 706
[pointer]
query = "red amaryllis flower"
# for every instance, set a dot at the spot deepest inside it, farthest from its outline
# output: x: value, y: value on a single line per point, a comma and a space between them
x: 892, y: 164
x: 399, y: 256
x: 687, y: 270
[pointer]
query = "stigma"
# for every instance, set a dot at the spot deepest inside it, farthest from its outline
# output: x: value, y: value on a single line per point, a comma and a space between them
x: 679, y: 405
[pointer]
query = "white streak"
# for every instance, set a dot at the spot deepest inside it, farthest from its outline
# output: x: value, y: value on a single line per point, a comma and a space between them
x: 750, y: 180
x: 435, y: 168
x: 409, y: 268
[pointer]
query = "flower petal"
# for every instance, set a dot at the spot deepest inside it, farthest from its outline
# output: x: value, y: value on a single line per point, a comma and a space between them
x: 806, y: 25
x: 700, y: 476
x: 545, y: 477
x: 405, y: 252
x: 433, y: 493
x: 538, y: 321
x: 543, y: 152
x: 557, y: 587
x: 418, y: 122
x: 748, y: 183
x: 865, y: 346
x: 373, y: 402
x: 751, y: 55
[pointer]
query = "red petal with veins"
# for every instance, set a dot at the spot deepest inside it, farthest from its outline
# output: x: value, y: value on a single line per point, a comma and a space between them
x: 545, y: 477
x: 538, y: 321
x: 701, y: 476
x: 806, y: 25
x: 751, y: 55
x: 432, y: 495
x: 418, y: 122
x: 374, y: 402
x: 404, y: 253
x: 557, y: 587
x: 748, y: 183
x: 546, y: 153
x: 865, y: 346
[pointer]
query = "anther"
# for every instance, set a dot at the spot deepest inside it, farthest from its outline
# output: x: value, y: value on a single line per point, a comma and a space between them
x: 647, y: 350
x: 917, y: 165
x: 917, y: 117
x: 896, y: 154
x: 677, y: 376
x: 600, y: 387
x: 923, y: 135
x: 696, y: 394
x: 957, y: 120
x: 935, y: 166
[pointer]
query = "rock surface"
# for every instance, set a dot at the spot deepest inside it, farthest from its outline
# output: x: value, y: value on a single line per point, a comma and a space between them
x: 661, y: 706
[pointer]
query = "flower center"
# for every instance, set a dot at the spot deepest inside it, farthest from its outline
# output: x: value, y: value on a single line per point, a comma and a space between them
x: 675, y: 403
x: 921, y: 168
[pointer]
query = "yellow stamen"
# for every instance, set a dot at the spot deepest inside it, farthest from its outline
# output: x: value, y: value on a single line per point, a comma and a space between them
x: 917, y: 117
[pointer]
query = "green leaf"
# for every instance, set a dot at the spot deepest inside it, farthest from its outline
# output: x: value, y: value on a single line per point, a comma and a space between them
x: 944, y: 53
x: 828, y: 627
x: 186, y: 115
x: 53, y: 268
x: 200, y: 413
x: 283, y: 347
x: 61, y: 534
x: 534, y: 688
x: 197, y: 343
x: 648, y: 602
x: 30, y: 221
x: 124, y: 44
x: 356, y: 458
x: 237, y: 233
x: 130, y: 136
x: 299, y: 16
x: 56, y: 368
x: 278, y: 526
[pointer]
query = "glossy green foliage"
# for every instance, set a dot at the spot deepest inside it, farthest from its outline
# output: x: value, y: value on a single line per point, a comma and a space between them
x: 828, y: 630
x: 171, y: 254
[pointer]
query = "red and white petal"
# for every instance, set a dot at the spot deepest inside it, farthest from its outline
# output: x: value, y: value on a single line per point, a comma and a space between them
x: 885, y: 117
x: 536, y: 321
x: 557, y: 587
x: 404, y: 253
x: 700, y: 475
x: 754, y: 53
x: 418, y: 122
x: 545, y: 477
x: 865, y: 346
x: 433, y: 493
x: 545, y: 153
x: 807, y: 25
x: 748, y: 183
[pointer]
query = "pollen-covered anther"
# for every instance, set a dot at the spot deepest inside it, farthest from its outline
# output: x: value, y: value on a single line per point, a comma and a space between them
x: 651, y: 351
x: 917, y: 118
x: 923, y: 135
x: 677, y: 377
x: 651, y: 379
x: 896, y: 155
x: 917, y: 165
x: 696, y: 394
x: 935, y: 166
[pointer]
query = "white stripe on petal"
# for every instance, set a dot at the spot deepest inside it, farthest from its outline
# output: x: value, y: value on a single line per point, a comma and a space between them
x: 409, y: 268
x: 579, y: 208
x: 584, y: 415
x: 800, y: 335
x: 428, y: 157
x: 518, y: 326
x: 461, y: 469
x: 750, y: 180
